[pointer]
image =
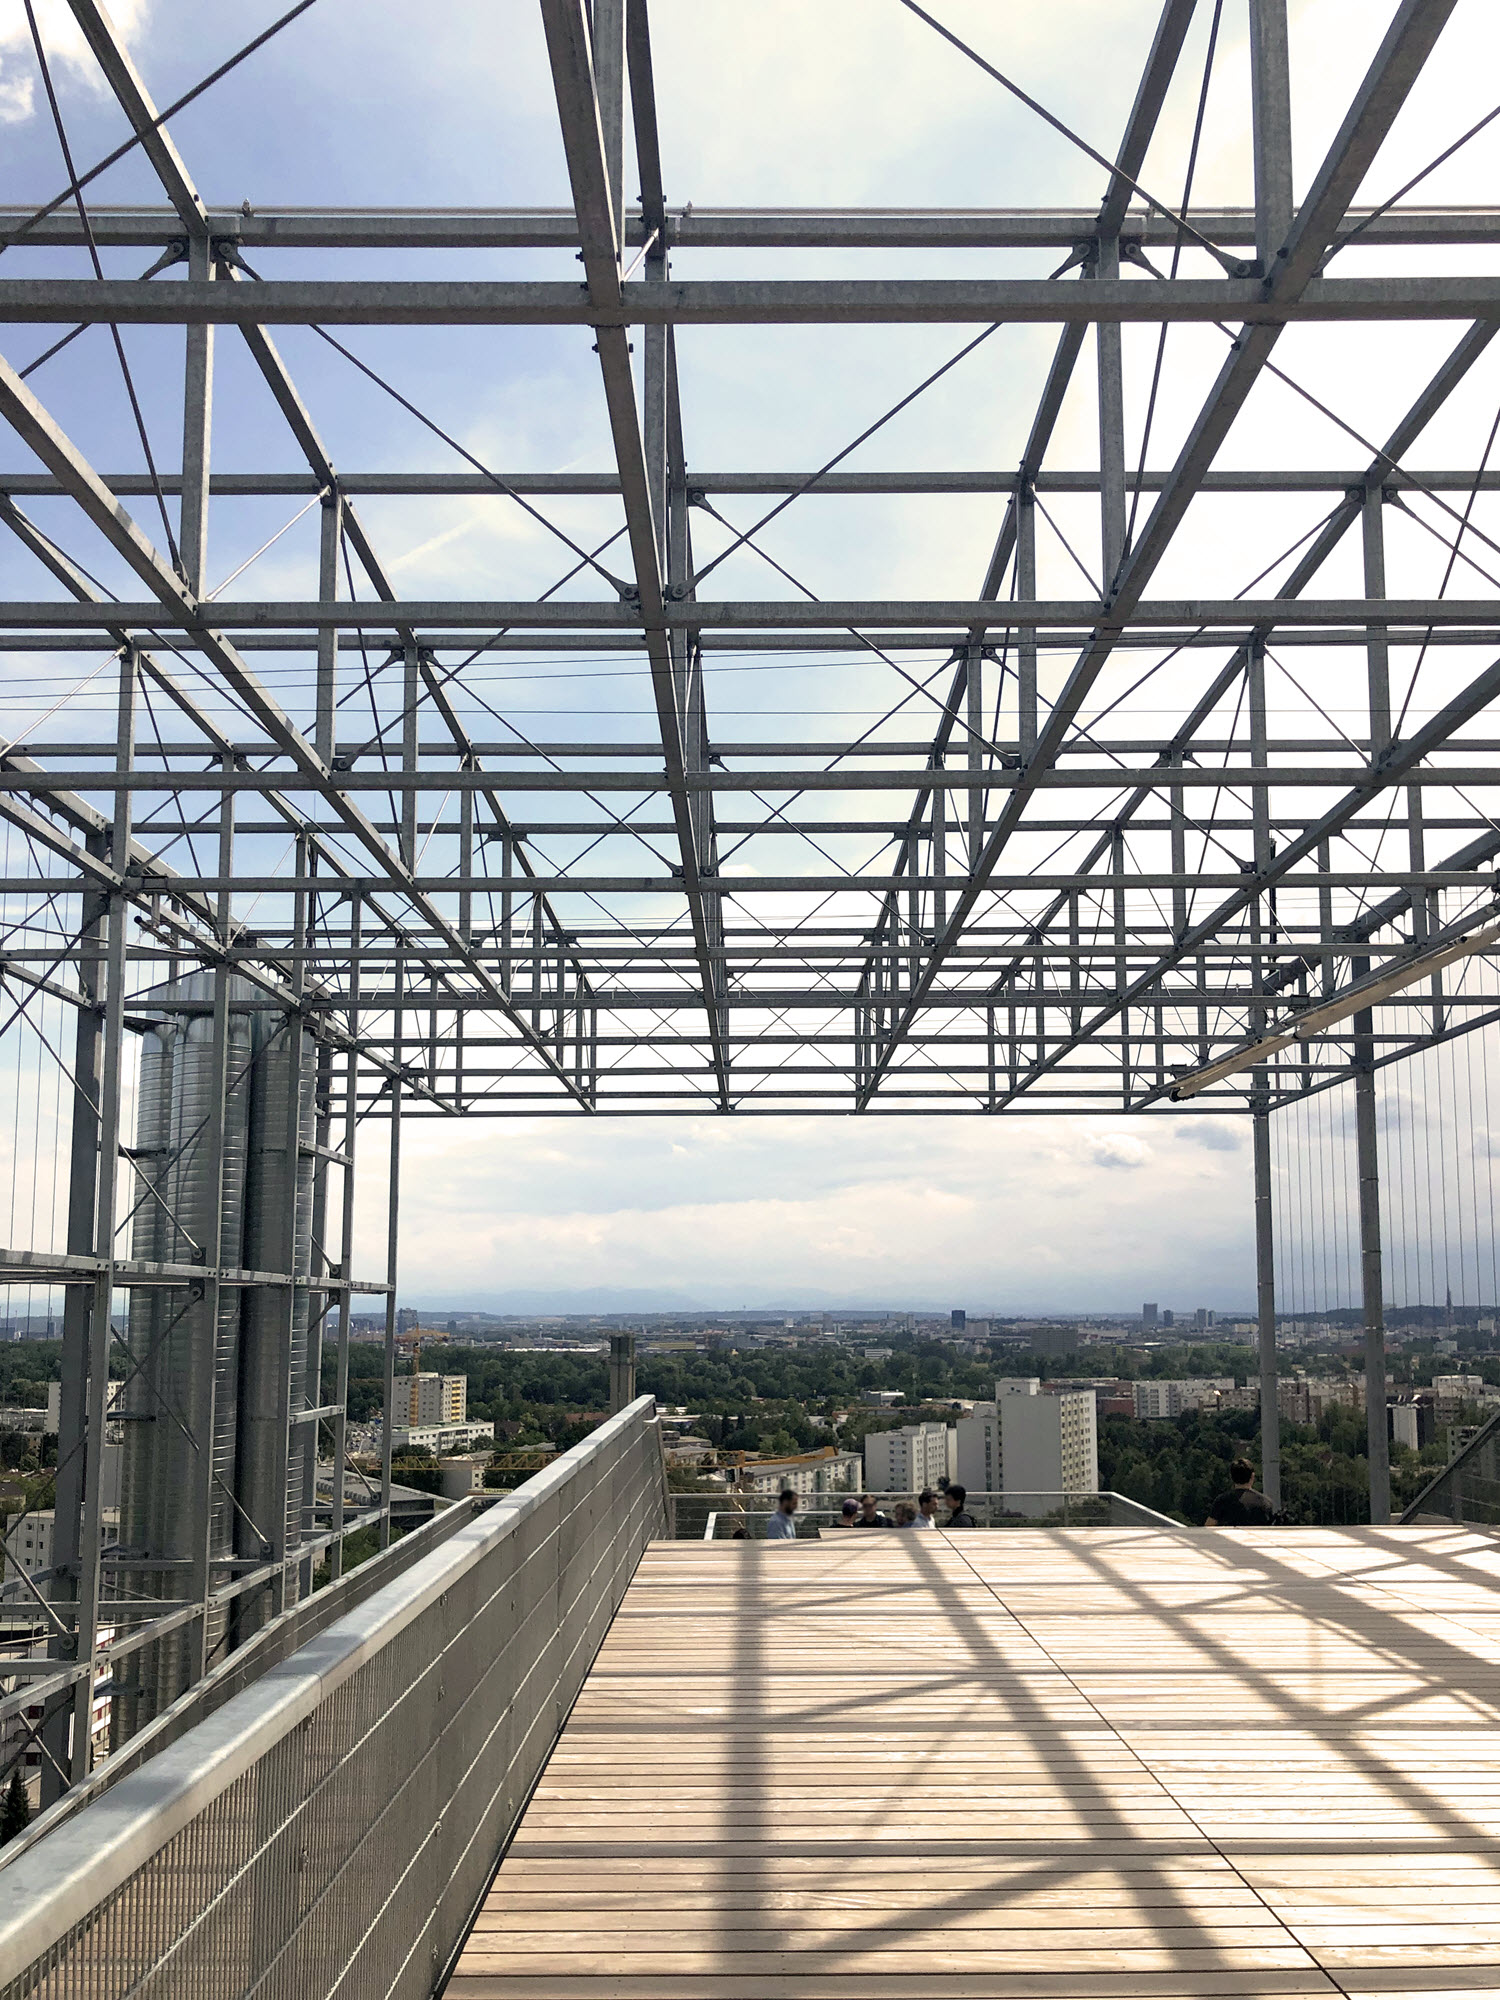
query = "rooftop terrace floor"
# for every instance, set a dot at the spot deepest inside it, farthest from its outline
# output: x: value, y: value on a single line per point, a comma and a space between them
x: 1101, y: 1761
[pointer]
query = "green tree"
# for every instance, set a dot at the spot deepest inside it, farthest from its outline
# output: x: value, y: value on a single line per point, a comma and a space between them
x: 359, y: 1546
x: 15, y: 1813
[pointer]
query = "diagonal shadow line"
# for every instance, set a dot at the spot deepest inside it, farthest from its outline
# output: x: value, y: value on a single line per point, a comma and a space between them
x: 1186, y: 1810
x: 1416, y: 1797
x: 1432, y: 1558
x: 1381, y: 1705
x: 836, y: 1708
x: 1070, y: 1773
x: 1413, y: 1606
x: 752, y: 1596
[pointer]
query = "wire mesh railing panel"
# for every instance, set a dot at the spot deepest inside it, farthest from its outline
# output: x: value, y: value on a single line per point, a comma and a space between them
x: 1315, y: 1206
x: 297, y: 1625
x: 1439, y: 1130
x: 1468, y: 1490
x: 330, y: 1830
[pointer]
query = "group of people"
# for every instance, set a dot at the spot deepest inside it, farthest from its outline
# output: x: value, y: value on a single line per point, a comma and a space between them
x: 865, y: 1513
x: 1240, y: 1507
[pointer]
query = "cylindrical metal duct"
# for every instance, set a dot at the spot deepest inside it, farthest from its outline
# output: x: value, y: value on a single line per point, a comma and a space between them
x: 178, y: 1407
x: 275, y: 1462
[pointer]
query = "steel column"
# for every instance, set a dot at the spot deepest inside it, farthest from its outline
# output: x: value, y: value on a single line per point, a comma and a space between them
x: 78, y: 1299
x: 1271, y: 124
x: 1265, y: 1308
x: 111, y: 1088
x: 392, y: 1249
x: 1367, y: 1155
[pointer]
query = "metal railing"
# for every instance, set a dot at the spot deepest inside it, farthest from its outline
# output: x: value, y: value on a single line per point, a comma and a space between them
x: 718, y: 1516
x: 274, y: 1642
x: 329, y: 1832
x: 1468, y: 1487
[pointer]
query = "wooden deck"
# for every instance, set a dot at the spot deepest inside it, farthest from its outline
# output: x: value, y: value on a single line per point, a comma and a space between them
x: 1102, y: 1762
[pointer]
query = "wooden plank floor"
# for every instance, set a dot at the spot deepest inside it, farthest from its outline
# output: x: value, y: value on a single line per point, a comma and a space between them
x: 1032, y: 1764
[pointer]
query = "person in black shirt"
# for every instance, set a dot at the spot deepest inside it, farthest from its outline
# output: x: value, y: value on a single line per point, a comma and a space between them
x: 1241, y: 1506
x: 869, y: 1515
x: 957, y: 1518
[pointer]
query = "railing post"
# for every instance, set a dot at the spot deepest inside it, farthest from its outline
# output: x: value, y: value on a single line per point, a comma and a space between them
x: 425, y: 1688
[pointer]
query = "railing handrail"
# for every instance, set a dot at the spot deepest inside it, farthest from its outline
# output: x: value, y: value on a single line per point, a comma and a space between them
x: 755, y: 1506
x: 88, y: 1858
x: 910, y: 1493
x: 1455, y: 1464
x: 291, y: 1629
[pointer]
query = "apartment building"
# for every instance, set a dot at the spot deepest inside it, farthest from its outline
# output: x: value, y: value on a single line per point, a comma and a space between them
x: 1170, y: 1398
x: 810, y: 1472
x: 1027, y: 1442
x: 906, y: 1460
x: 431, y: 1399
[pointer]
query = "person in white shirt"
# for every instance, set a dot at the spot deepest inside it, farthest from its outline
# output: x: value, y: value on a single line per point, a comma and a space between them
x: 926, y: 1508
x: 782, y: 1526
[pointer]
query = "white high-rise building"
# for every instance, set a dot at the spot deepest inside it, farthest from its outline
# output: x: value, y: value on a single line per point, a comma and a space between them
x: 907, y: 1460
x: 979, y: 1449
x: 29, y: 1539
x: 1025, y: 1442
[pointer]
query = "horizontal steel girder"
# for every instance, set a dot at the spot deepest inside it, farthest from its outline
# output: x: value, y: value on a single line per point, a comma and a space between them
x: 310, y: 228
x: 730, y: 302
x: 1232, y: 615
x: 809, y: 485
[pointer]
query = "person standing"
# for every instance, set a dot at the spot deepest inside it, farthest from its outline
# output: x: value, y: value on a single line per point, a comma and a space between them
x: 926, y: 1509
x: 869, y: 1515
x: 1241, y: 1506
x: 958, y: 1515
x: 782, y: 1526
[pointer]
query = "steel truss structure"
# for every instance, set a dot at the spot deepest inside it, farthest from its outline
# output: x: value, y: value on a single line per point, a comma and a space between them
x: 1075, y: 858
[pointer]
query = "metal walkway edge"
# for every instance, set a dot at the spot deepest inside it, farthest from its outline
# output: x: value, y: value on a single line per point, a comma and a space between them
x: 329, y: 1831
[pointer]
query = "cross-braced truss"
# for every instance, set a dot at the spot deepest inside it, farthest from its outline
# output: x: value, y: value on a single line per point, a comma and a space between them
x: 1083, y: 845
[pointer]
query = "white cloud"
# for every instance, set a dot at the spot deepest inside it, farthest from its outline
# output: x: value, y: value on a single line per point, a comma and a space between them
x: 65, y: 47
x: 17, y: 94
x: 1216, y: 1135
x: 1008, y: 1213
x: 1118, y: 1149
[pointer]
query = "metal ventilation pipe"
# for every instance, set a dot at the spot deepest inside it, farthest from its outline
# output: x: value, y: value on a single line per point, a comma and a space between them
x: 180, y: 1400
x: 277, y: 1369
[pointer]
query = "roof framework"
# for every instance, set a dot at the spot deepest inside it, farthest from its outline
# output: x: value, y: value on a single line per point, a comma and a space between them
x: 1085, y: 844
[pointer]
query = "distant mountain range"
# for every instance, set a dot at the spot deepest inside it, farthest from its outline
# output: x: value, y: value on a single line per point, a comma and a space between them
x: 626, y: 1299
x: 642, y: 1299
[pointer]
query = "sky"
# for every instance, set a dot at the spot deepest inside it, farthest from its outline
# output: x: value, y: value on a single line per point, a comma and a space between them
x: 763, y: 102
